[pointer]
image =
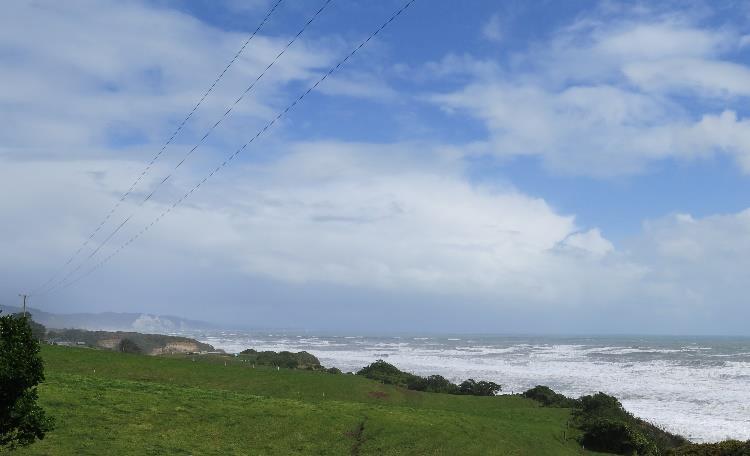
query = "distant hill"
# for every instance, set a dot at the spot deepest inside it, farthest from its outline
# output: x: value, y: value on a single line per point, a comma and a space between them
x: 114, y: 321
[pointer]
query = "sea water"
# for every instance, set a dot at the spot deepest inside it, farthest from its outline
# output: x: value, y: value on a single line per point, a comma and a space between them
x: 698, y: 387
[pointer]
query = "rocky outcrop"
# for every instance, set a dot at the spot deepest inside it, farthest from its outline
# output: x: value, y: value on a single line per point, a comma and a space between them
x: 152, y: 344
x: 178, y: 347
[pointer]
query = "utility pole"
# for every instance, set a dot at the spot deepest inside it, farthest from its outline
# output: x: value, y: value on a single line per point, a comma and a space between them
x: 24, y: 296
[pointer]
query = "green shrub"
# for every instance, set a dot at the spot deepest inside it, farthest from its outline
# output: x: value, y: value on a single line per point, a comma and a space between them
x: 725, y: 448
x: 602, y: 405
x: 615, y: 436
x: 390, y: 374
x: 480, y: 388
x: 664, y: 440
x: 21, y: 369
x: 286, y: 359
x: 548, y: 398
x: 602, y: 417
x: 433, y: 384
x: 128, y: 346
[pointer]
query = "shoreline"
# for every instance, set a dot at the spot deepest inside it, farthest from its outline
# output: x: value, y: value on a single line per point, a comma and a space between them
x: 680, y: 405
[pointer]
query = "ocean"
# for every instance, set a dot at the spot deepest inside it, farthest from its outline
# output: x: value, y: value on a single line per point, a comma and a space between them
x: 698, y: 387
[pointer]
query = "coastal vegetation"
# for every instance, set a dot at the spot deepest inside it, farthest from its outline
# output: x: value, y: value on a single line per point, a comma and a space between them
x: 391, y: 375
x: 725, y: 448
x: 128, y: 346
x: 22, y: 420
x: 285, y: 359
x: 606, y: 426
x: 548, y: 398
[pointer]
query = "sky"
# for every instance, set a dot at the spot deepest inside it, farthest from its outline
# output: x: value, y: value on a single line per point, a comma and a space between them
x: 481, y: 166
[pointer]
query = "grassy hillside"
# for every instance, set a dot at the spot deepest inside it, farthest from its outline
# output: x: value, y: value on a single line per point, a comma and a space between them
x: 111, y: 403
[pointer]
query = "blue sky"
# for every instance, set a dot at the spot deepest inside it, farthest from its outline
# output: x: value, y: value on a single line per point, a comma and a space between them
x: 498, y: 166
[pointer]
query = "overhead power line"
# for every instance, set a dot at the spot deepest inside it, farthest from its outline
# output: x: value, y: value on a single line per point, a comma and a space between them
x: 163, y: 148
x: 232, y: 156
x: 195, y: 147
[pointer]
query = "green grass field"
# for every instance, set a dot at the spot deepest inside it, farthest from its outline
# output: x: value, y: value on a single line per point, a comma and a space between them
x: 117, y: 404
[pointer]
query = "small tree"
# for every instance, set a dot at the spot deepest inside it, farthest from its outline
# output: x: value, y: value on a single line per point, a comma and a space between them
x: 548, y: 398
x: 480, y: 388
x: 21, y: 369
x: 128, y: 346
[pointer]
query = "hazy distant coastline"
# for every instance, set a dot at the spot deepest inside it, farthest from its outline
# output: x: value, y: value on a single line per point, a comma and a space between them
x: 114, y: 321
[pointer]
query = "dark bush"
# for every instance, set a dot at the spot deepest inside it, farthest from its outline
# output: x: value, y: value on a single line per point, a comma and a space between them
x: 602, y: 405
x: 614, y: 436
x: 286, y: 359
x: 607, y: 426
x: 548, y: 398
x: 21, y: 369
x: 128, y: 346
x: 388, y: 373
x: 433, y: 384
x: 664, y: 440
x: 480, y: 388
x: 725, y: 448
x: 599, y: 416
x: 333, y: 370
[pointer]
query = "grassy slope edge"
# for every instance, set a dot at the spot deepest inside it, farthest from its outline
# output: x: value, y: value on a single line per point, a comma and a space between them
x: 112, y: 403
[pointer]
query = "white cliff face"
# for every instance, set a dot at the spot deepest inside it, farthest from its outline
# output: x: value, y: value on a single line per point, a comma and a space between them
x: 154, y: 324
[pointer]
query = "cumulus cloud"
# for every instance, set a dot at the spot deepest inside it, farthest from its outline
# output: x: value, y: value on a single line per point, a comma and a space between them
x: 695, y: 76
x: 609, y: 98
x: 103, y: 74
x: 371, y: 216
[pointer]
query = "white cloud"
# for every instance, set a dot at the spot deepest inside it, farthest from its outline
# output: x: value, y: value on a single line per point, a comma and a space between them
x: 347, y: 214
x: 378, y: 216
x: 609, y: 98
x: 590, y: 241
x: 656, y: 41
x: 125, y: 72
x: 381, y: 217
x: 706, y: 78
x: 493, y: 28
